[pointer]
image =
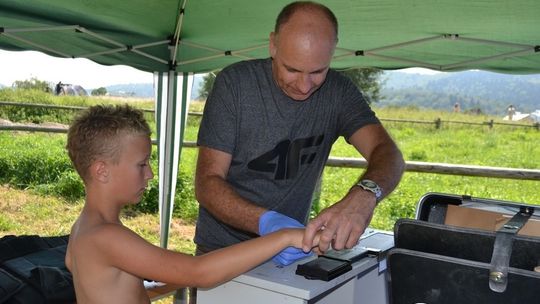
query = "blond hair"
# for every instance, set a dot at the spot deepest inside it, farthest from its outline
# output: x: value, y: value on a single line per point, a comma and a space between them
x: 97, y: 133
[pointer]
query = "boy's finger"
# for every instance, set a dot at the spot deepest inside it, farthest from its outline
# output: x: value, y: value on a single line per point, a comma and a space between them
x: 311, y: 230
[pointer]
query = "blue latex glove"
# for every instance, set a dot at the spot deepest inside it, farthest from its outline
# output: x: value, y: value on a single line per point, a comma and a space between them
x: 272, y: 221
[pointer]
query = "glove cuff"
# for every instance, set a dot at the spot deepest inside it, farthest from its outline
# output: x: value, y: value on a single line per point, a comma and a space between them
x: 263, y: 221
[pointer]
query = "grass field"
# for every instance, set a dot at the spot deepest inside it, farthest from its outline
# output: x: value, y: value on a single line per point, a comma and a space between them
x: 502, y: 146
x: 25, y: 211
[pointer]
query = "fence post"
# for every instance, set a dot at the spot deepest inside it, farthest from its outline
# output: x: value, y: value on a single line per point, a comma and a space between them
x: 490, y: 123
x: 437, y: 123
x: 316, y: 198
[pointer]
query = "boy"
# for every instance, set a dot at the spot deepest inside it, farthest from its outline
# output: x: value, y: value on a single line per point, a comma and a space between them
x: 110, y: 148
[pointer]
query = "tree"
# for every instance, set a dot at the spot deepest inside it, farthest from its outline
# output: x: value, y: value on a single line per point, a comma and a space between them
x: 367, y: 80
x: 99, y: 92
x: 206, y: 87
x: 32, y: 84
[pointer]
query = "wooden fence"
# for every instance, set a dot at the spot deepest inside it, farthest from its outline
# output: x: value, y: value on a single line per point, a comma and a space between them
x: 437, y: 122
x: 410, y: 166
x: 49, y: 106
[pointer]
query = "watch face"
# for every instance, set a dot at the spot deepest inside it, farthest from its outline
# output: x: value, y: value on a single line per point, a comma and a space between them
x: 369, y: 184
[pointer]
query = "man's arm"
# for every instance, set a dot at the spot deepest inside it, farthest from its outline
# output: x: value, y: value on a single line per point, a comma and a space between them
x: 218, y: 197
x: 345, y: 221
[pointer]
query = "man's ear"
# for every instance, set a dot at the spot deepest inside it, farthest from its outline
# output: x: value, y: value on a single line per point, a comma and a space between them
x: 100, y: 171
x: 272, y: 44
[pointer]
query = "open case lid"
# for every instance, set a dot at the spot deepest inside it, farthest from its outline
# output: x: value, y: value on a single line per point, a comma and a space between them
x: 472, y: 212
x: 506, y: 219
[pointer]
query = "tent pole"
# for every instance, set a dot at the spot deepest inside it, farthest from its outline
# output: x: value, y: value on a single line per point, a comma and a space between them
x: 168, y: 163
x: 171, y: 125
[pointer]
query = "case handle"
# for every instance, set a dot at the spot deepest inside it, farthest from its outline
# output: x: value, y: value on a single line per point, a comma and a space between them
x: 502, y: 250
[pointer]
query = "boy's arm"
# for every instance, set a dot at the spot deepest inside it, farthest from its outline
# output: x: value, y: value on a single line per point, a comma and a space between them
x: 122, y: 248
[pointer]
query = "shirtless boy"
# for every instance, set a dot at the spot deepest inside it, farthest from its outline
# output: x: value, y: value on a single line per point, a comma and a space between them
x: 110, y: 148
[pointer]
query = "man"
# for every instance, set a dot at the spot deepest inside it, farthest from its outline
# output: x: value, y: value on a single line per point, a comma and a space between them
x: 266, y: 133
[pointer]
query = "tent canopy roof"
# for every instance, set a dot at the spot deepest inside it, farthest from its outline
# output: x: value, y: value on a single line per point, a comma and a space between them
x: 447, y: 35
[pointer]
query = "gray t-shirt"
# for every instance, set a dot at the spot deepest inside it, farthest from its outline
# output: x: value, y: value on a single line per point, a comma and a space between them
x: 279, y: 146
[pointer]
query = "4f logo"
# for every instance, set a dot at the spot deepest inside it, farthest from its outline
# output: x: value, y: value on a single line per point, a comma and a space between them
x: 287, y: 157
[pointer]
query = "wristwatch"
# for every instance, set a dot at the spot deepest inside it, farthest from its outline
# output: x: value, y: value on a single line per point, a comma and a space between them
x: 371, y: 186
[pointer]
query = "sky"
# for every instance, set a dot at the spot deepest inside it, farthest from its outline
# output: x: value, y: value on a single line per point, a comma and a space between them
x: 90, y: 75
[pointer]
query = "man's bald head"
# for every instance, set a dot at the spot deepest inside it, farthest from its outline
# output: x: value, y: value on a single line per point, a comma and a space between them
x: 316, y: 10
x: 302, y: 47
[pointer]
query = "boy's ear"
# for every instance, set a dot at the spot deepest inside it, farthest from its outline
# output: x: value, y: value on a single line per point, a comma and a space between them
x: 100, y: 171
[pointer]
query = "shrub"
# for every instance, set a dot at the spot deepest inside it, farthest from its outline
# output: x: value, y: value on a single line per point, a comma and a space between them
x: 32, y: 160
x: 418, y: 155
x: 185, y: 205
x: 33, y: 114
x: 69, y: 186
x: 6, y: 224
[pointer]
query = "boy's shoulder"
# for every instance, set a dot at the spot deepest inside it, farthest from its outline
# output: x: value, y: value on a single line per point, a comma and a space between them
x: 99, y: 235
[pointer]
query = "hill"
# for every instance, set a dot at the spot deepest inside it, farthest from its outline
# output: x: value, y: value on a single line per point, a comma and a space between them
x: 489, y: 92
x: 142, y: 90
x: 146, y: 90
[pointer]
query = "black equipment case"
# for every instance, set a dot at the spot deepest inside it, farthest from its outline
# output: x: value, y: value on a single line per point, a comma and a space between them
x: 462, y: 249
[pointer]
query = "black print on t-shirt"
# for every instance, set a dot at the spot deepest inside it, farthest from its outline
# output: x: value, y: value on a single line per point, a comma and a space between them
x: 287, y: 157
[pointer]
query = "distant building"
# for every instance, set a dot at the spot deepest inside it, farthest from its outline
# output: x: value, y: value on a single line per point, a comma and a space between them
x: 533, y: 117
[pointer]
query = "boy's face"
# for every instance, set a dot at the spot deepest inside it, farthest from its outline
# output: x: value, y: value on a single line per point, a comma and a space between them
x: 131, y: 174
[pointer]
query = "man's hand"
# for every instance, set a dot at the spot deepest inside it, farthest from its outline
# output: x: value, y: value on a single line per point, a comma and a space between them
x: 343, y: 223
x: 272, y: 221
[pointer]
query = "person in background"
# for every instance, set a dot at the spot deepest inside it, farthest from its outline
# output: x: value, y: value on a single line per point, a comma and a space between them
x: 110, y: 148
x: 511, y: 111
x: 58, y: 89
x: 457, y: 107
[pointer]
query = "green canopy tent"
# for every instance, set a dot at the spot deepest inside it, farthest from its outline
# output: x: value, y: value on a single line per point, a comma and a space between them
x: 176, y: 38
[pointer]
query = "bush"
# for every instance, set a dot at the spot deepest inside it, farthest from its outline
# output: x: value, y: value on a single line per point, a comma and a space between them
x: 33, y: 114
x: 33, y: 84
x: 185, y: 205
x: 418, y: 155
x: 32, y: 160
x: 40, y: 162
x: 69, y: 186
x: 99, y: 92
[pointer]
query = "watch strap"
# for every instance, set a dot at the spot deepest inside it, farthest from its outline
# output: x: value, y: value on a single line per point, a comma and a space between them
x: 371, y: 186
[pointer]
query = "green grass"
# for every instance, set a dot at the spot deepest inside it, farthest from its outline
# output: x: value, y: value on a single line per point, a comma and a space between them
x: 502, y: 146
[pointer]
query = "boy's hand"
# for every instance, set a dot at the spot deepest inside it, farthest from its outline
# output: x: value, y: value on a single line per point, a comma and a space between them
x: 272, y: 221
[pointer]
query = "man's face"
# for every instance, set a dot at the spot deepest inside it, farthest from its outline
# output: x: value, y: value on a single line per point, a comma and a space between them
x: 301, y: 58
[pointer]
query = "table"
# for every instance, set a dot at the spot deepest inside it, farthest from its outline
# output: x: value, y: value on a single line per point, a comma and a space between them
x: 270, y: 284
